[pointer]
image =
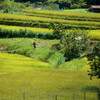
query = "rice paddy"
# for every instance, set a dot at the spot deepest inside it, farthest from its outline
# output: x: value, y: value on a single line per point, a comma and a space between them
x: 38, y: 75
x: 17, y: 63
x: 35, y: 82
x: 34, y: 29
x: 30, y: 19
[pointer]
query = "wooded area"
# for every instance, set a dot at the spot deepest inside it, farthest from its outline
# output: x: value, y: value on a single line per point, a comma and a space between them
x: 62, y: 4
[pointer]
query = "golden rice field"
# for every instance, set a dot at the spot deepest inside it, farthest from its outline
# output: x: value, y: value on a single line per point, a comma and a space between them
x: 20, y: 74
x: 17, y: 75
x: 75, y: 14
x: 37, y: 30
x: 17, y: 63
x: 41, y: 19
x: 94, y: 34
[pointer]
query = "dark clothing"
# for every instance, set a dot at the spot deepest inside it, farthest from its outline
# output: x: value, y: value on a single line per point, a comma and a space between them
x: 34, y: 45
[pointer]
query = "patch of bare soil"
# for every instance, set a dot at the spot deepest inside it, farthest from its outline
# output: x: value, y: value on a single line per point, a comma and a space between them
x: 3, y: 48
x: 43, y: 43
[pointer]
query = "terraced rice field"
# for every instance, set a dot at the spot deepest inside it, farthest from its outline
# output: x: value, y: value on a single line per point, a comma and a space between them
x: 17, y: 63
x: 17, y: 74
x: 66, y: 14
x: 27, y: 78
x: 94, y: 34
x: 23, y: 18
x: 34, y: 29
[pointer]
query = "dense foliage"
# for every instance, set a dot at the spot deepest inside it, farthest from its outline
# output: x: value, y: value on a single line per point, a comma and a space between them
x: 66, y: 3
x: 74, y: 44
x: 47, y: 4
x: 94, y: 58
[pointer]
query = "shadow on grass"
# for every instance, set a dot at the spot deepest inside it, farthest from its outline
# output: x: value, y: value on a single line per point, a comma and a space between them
x: 92, y: 89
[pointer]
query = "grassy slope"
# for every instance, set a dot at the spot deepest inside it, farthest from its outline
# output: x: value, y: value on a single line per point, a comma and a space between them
x: 42, y: 52
x: 24, y: 46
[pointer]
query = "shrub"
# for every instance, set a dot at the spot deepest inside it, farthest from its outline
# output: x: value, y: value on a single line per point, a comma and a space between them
x: 74, y: 44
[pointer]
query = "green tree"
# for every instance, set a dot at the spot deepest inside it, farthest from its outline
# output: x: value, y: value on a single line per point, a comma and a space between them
x: 75, y: 43
x: 94, y: 58
x: 6, y: 5
x: 58, y: 30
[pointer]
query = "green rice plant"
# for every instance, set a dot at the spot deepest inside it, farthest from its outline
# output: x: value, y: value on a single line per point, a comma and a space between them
x: 94, y: 34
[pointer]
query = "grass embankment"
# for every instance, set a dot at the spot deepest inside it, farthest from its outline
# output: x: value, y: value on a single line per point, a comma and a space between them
x: 31, y: 21
x: 17, y: 31
x: 43, y: 52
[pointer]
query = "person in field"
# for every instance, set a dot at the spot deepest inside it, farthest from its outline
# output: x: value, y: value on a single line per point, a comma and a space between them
x: 34, y: 44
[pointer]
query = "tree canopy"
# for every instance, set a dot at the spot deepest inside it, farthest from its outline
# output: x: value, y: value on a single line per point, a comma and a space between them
x: 94, y: 58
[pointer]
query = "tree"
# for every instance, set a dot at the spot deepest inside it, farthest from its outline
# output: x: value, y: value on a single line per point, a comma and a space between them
x: 6, y: 5
x: 74, y: 44
x: 94, y: 58
x: 58, y: 30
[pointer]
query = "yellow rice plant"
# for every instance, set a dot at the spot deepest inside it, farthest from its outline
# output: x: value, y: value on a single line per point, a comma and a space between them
x: 37, y: 30
x: 41, y: 19
x: 94, y: 34
x: 75, y: 14
x: 17, y: 63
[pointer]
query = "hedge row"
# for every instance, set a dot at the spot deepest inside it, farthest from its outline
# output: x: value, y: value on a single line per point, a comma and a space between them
x: 5, y: 33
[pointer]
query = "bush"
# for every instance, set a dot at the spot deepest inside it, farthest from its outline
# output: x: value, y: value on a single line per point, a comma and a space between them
x: 74, y: 44
x: 94, y: 58
x: 52, y: 6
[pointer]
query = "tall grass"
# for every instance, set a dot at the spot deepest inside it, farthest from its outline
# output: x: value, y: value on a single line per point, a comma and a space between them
x: 24, y: 46
x: 42, y: 52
